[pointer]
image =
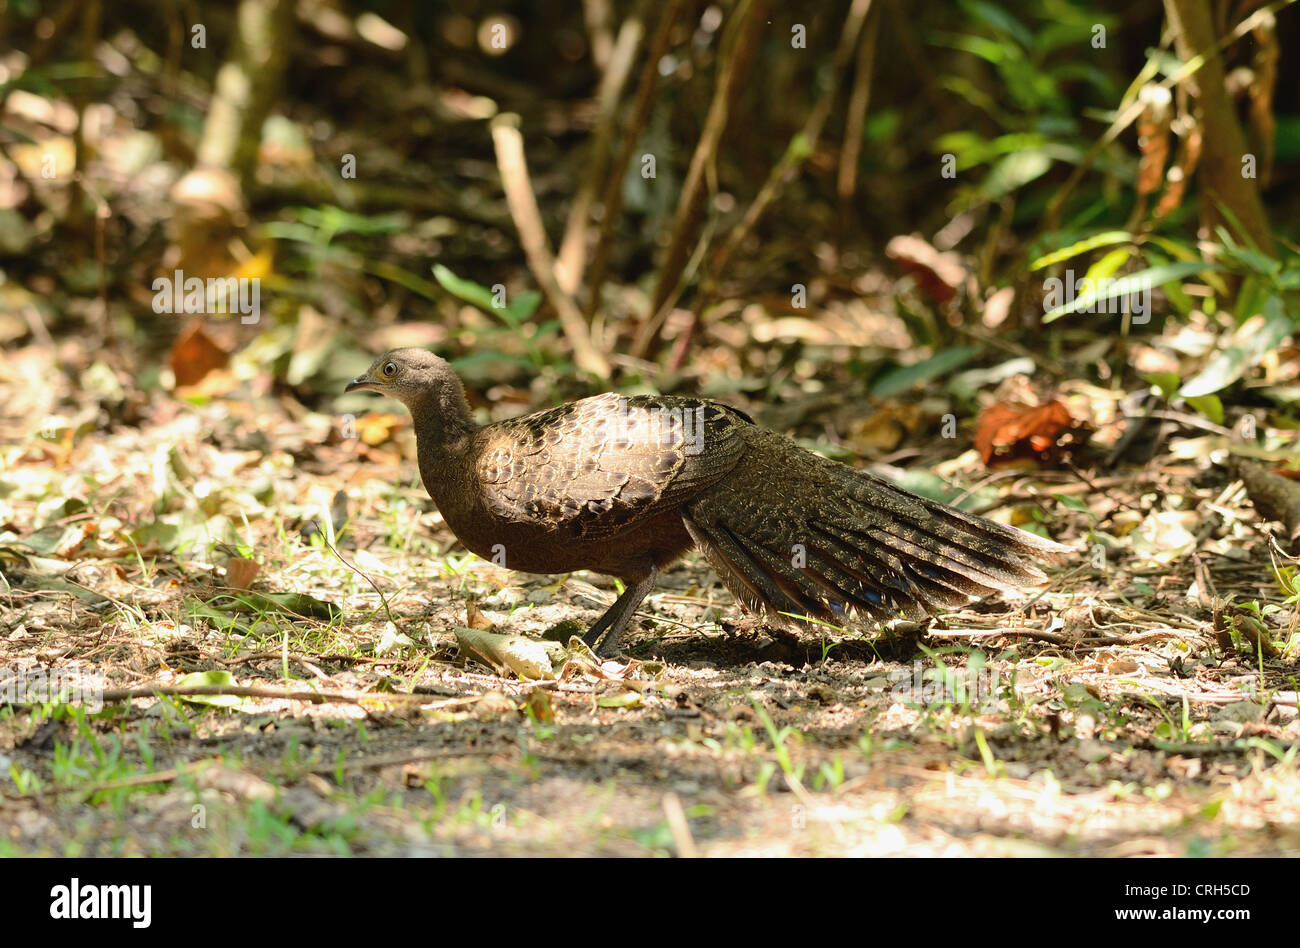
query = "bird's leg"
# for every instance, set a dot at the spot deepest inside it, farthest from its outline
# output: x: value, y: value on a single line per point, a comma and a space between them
x: 616, y: 617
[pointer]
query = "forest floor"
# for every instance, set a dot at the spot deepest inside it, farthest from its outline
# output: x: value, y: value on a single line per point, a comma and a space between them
x: 1121, y: 710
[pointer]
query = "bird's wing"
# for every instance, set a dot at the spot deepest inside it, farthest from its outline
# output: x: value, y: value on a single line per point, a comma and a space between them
x: 604, y: 463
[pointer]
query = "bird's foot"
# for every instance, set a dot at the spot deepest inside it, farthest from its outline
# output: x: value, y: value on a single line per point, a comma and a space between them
x: 608, y: 648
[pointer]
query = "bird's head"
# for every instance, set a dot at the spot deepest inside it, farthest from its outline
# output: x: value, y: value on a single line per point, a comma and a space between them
x: 429, y: 389
x: 409, y: 375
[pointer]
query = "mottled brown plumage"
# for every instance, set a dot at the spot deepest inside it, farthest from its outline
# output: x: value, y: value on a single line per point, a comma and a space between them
x: 626, y: 485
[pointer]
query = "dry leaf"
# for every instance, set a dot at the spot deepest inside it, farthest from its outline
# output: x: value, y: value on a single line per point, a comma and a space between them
x: 1011, y: 431
x: 883, y: 430
x: 194, y: 355
x: 474, y: 617
x: 528, y: 658
x: 493, y: 704
x: 241, y: 572
x: 1189, y: 155
x: 541, y: 705
x: 998, y: 307
x: 1153, y: 136
x: 374, y: 428
x: 938, y: 275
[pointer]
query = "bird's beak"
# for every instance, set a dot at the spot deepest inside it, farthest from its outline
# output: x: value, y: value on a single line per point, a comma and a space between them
x: 361, y: 383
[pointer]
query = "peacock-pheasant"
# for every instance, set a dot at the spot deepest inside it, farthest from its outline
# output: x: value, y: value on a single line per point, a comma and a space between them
x: 625, y: 485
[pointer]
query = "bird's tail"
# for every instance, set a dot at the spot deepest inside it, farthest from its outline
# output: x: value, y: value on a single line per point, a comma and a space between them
x: 832, y: 543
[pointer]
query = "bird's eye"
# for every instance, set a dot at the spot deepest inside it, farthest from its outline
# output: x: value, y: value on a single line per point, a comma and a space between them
x: 390, y: 369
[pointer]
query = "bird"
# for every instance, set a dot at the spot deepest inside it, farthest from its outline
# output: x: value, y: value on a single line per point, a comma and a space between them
x: 624, y: 485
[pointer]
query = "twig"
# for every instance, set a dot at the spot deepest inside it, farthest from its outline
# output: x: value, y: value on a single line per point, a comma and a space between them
x: 571, y: 259
x: 527, y: 216
x: 139, y: 780
x: 1007, y: 500
x: 1090, y: 641
x: 678, y: 826
x: 1052, y: 216
x: 595, y: 13
x: 1192, y: 749
x: 846, y: 182
x: 1023, y: 632
x: 404, y: 757
x: 383, y: 601
x: 1192, y: 421
x: 295, y: 657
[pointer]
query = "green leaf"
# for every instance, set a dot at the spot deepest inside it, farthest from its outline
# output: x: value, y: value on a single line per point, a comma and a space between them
x: 1109, y: 265
x: 298, y: 604
x: 1242, y: 350
x: 900, y: 378
x: 1134, y: 282
x: 1209, y: 406
x: 1251, y: 298
x: 931, y: 485
x: 1235, y: 222
x: 1187, y: 255
x: 512, y: 313
x: 1167, y: 382
x: 622, y: 699
x: 1015, y: 171
x: 523, y: 305
x: 1249, y: 258
x: 1002, y: 21
x: 401, y: 277
x: 214, y: 679
x: 1211, y: 810
x: 1082, y: 246
x: 473, y: 293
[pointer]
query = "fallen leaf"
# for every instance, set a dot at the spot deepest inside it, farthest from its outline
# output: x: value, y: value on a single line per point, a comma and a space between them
x: 374, y: 428
x: 528, y: 658
x: 938, y: 275
x: 540, y: 705
x: 1153, y: 136
x: 474, y: 617
x: 213, y: 679
x: 194, y: 355
x: 1012, y: 431
x: 493, y: 704
x: 241, y: 572
x: 884, y: 429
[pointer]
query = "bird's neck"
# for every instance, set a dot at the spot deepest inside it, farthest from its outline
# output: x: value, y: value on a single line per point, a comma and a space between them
x: 443, y: 424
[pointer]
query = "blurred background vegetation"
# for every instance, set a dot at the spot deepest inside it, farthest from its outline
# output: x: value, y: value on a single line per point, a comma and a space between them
x: 762, y: 202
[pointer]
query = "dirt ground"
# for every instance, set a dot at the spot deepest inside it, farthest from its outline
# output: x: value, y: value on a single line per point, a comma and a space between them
x: 1122, y: 710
